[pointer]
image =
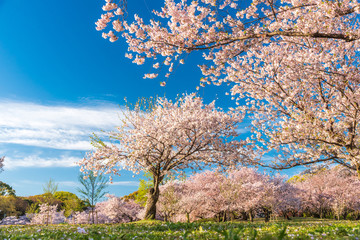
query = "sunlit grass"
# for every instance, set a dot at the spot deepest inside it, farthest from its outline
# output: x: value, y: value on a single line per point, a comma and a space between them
x: 148, y: 229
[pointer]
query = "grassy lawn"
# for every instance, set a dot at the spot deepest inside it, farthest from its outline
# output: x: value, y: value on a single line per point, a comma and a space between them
x: 304, y: 229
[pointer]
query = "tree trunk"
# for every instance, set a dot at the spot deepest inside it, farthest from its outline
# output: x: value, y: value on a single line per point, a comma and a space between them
x: 232, y: 216
x: 153, y: 197
x: 224, y: 216
x: 267, y: 214
x: 92, y: 216
x: 97, y: 218
x: 251, y: 216
x: 47, y: 215
x: 244, y: 216
x: 188, y: 217
x: 345, y: 214
x: 321, y: 213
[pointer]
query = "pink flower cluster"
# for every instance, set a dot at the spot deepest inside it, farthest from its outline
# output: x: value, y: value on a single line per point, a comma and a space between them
x: 113, y: 210
x: 246, y: 194
x: 171, y: 136
x: 48, y: 214
x: 296, y: 62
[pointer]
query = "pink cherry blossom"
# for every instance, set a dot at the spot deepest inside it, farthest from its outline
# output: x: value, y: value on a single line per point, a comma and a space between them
x: 168, y: 138
x: 237, y: 193
x: 48, y: 215
x: 112, y: 210
x: 329, y: 191
x: 295, y: 62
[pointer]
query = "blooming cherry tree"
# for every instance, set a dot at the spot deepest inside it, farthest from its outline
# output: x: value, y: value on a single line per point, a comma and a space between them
x: 345, y: 194
x: 113, y: 210
x: 315, y: 197
x: 335, y: 190
x: 170, y: 137
x: 116, y: 210
x: 209, y: 187
x: 190, y: 203
x: 295, y: 62
x: 232, y: 194
x: 48, y: 215
x: 169, y: 200
x: 250, y: 186
x: 258, y: 193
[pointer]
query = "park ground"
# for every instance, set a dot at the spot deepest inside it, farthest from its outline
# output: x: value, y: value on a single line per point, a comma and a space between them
x: 294, y: 229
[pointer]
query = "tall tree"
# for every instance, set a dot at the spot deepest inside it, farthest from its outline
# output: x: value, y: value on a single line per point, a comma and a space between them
x: 49, y: 201
x: 295, y: 61
x: 1, y: 163
x: 168, y: 138
x: 50, y: 187
x: 329, y: 192
x: 71, y: 202
x: 6, y: 190
x: 92, y: 190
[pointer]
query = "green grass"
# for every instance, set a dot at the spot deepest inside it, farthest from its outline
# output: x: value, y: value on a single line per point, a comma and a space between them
x: 298, y: 229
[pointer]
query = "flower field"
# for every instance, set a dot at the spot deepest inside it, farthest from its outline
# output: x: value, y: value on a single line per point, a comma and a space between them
x: 206, y: 230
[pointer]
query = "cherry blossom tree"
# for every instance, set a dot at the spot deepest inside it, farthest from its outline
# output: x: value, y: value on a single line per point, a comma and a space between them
x: 333, y: 191
x: 294, y: 61
x: 211, y: 202
x: 228, y: 195
x: 168, y: 138
x: 48, y: 215
x: 203, y: 195
x: 250, y: 187
x: 345, y: 195
x: 315, y: 199
x: 185, y: 197
x: 81, y: 217
x: 190, y: 202
x: 169, y: 200
x: 256, y: 193
x: 116, y: 210
x: 288, y: 201
x: 113, y: 210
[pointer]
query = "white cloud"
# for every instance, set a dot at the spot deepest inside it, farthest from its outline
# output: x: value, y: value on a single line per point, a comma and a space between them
x: 35, y: 161
x: 241, y: 131
x: 244, y: 127
x: 58, y: 127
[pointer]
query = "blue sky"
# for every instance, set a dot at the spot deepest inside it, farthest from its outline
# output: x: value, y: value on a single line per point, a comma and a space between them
x: 61, y: 81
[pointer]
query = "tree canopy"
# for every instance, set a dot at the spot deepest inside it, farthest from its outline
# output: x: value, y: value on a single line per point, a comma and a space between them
x: 295, y: 62
x: 169, y: 138
x: 6, y: 189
